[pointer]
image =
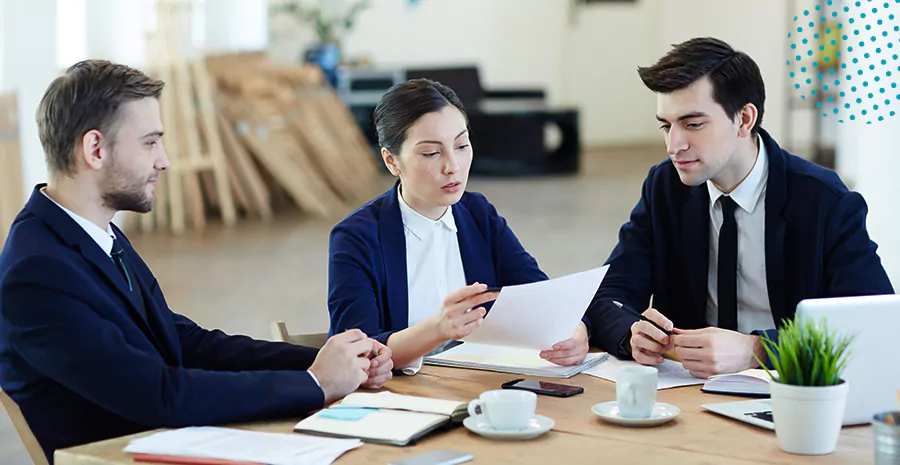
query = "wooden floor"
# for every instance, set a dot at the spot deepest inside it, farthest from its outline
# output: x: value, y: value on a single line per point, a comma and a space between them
x: 241, y: 279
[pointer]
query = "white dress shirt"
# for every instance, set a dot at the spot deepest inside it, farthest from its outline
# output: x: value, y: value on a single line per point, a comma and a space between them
x: 754, y: 311
x: 104, y: 240
x: 433, y: 264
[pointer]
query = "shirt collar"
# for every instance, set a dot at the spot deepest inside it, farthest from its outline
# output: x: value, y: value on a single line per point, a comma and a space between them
x: 421, y: 226
x: 747, y: 193
x: 104, y: 239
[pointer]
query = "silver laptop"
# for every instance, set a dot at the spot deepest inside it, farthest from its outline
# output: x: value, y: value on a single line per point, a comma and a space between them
x: 871, y: 370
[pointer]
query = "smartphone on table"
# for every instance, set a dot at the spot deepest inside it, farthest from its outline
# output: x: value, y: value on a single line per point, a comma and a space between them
x: 543, y: 387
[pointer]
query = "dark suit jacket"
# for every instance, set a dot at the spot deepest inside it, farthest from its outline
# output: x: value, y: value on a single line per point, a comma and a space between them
x: 83, y: 364
x: 367, y: 282
x: 816, y: 246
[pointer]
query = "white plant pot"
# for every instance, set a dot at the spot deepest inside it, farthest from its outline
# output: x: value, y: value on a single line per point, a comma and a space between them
x: 808, y: 419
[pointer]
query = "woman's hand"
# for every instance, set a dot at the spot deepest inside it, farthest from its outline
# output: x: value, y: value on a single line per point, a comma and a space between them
x: 456, y: 320
x: 572, y: 351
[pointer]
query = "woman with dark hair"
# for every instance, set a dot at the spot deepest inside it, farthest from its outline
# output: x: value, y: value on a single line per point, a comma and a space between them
x: 411, y: 268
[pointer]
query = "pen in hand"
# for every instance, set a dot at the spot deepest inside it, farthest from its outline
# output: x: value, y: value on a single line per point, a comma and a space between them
x: 642, y: 317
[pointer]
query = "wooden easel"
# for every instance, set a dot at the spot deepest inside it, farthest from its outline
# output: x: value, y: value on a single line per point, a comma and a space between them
x: 189, y: 117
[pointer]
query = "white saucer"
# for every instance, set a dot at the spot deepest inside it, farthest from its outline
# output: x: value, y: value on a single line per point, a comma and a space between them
x: 536, y: 427
x: 662, y: 413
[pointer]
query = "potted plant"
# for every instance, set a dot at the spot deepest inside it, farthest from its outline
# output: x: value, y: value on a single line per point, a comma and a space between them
x: 329, y: 28
x: 809, y: 396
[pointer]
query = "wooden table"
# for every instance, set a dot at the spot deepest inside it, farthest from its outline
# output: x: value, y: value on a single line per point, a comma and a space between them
x: 695, y: 437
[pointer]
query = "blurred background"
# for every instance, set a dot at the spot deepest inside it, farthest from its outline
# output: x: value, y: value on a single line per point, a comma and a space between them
x: 268, y: 124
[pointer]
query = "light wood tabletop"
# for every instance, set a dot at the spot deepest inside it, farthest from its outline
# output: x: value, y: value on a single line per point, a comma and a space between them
x: 579, y: 436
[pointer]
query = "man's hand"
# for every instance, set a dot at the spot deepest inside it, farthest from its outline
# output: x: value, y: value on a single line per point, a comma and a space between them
x: 343, y: 364
x: 713, y: 351
x: 572, y: 351
x: 380, y: 366
x: 648, y: 343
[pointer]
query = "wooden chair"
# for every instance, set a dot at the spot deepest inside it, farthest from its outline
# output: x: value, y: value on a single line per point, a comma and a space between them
x: 25, y: 434
x: 280, y: 334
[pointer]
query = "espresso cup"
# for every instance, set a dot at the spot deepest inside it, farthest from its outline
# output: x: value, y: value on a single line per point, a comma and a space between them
x: 508, y: 410
x: 636, y: 391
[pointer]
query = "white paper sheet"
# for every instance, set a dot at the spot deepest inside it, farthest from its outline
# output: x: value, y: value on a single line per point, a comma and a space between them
x: 538, y: 315
x: 249, y: 446
x: 671, y: 373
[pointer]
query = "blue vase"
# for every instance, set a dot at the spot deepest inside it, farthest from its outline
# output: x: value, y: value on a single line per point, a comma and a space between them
x: 327, y: 55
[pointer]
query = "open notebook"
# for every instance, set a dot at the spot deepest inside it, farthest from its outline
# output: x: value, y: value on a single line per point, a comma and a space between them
x: 508, y: 360
x: 749, y: 383
x: 384, y: 418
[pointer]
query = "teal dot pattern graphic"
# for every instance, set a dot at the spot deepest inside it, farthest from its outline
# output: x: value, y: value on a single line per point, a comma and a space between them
x: 844, y: 59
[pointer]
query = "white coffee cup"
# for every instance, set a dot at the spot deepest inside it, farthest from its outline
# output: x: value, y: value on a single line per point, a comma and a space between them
x: 636, y: 391
x: 509, y: 410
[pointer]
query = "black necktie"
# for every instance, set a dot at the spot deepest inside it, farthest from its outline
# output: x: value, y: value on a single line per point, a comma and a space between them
x: 727, y: 266
x: 118, y: 257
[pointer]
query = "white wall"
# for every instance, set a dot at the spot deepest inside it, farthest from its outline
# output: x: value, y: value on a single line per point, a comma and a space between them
x: 235, y: 25
x: 28, y: 70
x: 603, y: 47
x: 754, y: 28
x: 117, y: 31
x: 877, y: 156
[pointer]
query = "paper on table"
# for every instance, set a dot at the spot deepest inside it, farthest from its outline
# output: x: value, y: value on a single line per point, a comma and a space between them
x: 538, y: 315
x: 249, y: 446
x: 671, y: 373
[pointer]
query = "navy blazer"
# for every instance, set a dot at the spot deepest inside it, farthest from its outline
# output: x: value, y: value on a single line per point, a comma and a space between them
x: 816, y: 246
x: 83, y: 364
x: 367, y: 282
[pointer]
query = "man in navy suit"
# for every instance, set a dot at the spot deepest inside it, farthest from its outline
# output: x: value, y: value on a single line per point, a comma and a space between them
x: 88, y: 346
x: 731, y: 232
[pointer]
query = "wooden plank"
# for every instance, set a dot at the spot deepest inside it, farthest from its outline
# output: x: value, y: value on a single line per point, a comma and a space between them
x: 305, y: 188
x: 241, y: 199
x: 169, y: 21
x: 248, y: 175
x: 12, y: 191
x: 214, y: 149
x: 325, y: 150
x: 356, y: 162
x: 172, y: 135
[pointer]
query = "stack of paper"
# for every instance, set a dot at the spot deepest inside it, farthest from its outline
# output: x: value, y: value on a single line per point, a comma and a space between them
x: 247, y: 446
x: 384, y: 418
x: 671, y: 373
x: 524, y: 320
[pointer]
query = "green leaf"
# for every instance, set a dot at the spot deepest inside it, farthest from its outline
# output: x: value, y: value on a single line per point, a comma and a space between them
x: 808, y: 353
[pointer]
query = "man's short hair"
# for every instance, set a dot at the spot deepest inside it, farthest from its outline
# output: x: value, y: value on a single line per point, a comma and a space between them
x: 87, y: 97
x: 735, y: 77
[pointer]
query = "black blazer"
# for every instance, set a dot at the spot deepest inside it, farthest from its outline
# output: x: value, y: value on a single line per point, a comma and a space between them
x: 816, y: 246
x: 84, y: 365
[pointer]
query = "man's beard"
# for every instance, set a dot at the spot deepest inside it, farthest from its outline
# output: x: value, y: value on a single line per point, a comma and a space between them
x: 123, y: 192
